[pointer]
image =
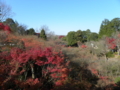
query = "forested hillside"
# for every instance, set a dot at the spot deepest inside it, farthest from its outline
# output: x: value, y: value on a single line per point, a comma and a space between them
x: 80, y: 60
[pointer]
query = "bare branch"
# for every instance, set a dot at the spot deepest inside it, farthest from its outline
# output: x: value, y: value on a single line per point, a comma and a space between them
x: 5, y: 11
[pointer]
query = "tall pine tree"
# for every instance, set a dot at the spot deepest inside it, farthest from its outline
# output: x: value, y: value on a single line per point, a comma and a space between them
x: 105, y: 29
x: 43, y: 35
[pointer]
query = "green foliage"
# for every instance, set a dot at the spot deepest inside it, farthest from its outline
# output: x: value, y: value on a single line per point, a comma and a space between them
x: 71, y: 38
x: 104, y: 29
x: 107, y: 27
x: 115, y: 23
x: 12, y: 24
x: 93, y: 36
x: 43, y: 35
x: 110, y: 54
x: 117, y: 80
x: 79, y: 36
x: 64, y: 38
x: 85, y: 35
x: 74, y: 37
x: 30, y: 31
x: 15, y: 26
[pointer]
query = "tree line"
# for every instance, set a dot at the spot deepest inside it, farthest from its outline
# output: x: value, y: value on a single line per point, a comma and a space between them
x: 107, y: 29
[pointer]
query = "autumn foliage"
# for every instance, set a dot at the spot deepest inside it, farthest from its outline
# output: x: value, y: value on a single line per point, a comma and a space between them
x: 111, y: 42
x: 83, y: 46
x: 32, y: 69
x: 30, y: 65
x: 61, y: 36
x: 5, y: 28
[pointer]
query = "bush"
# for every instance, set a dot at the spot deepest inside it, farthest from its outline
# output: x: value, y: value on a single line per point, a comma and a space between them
x: 117, y: 80
x: 32, y: 69
x: 71, y: 39
x: 110, y: 54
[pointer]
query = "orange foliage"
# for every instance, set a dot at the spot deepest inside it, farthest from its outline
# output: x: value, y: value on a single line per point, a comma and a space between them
x: 29, y: 42
x: 59, y: 83
x: 65, y: 70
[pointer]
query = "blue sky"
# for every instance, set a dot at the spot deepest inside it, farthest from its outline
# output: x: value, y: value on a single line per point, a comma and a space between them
x: 62, y: 16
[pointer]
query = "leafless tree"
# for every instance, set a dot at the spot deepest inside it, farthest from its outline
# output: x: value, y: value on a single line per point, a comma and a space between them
x: 50, y: 34
x: 100, y: 48
x: 5, y: 11
x: 21, y: 29
x: 45, y: 27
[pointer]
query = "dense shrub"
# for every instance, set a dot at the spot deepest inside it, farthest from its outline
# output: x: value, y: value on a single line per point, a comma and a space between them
x: 5, y: 28
x: 110, y: 54
x: 71, y: 39
x: 34, y: 68
x: 117, y: 80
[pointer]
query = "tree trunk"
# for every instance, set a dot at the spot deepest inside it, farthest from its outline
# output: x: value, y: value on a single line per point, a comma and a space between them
x: 105, y: 57
x: 79, y: 43
x: 118, y: 51
x: 32, y: 70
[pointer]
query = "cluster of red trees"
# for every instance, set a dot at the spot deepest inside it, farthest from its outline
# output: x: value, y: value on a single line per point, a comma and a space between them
x: 61, y: 36
x: 111, y: 42
x: 5, y: 28
x: 32, y: 69
x: 35, y: 68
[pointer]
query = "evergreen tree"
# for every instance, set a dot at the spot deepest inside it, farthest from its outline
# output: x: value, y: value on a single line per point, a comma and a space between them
x: 30, y: 31
x: 105, y: 29
x: 93, y: 36
x: 71, y: 38
x: 115, y: 24
x: 83, y: 36
x: 43, y: 35
x: 11, y: 23
x: 88, y: 33
x: 79, y: 36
